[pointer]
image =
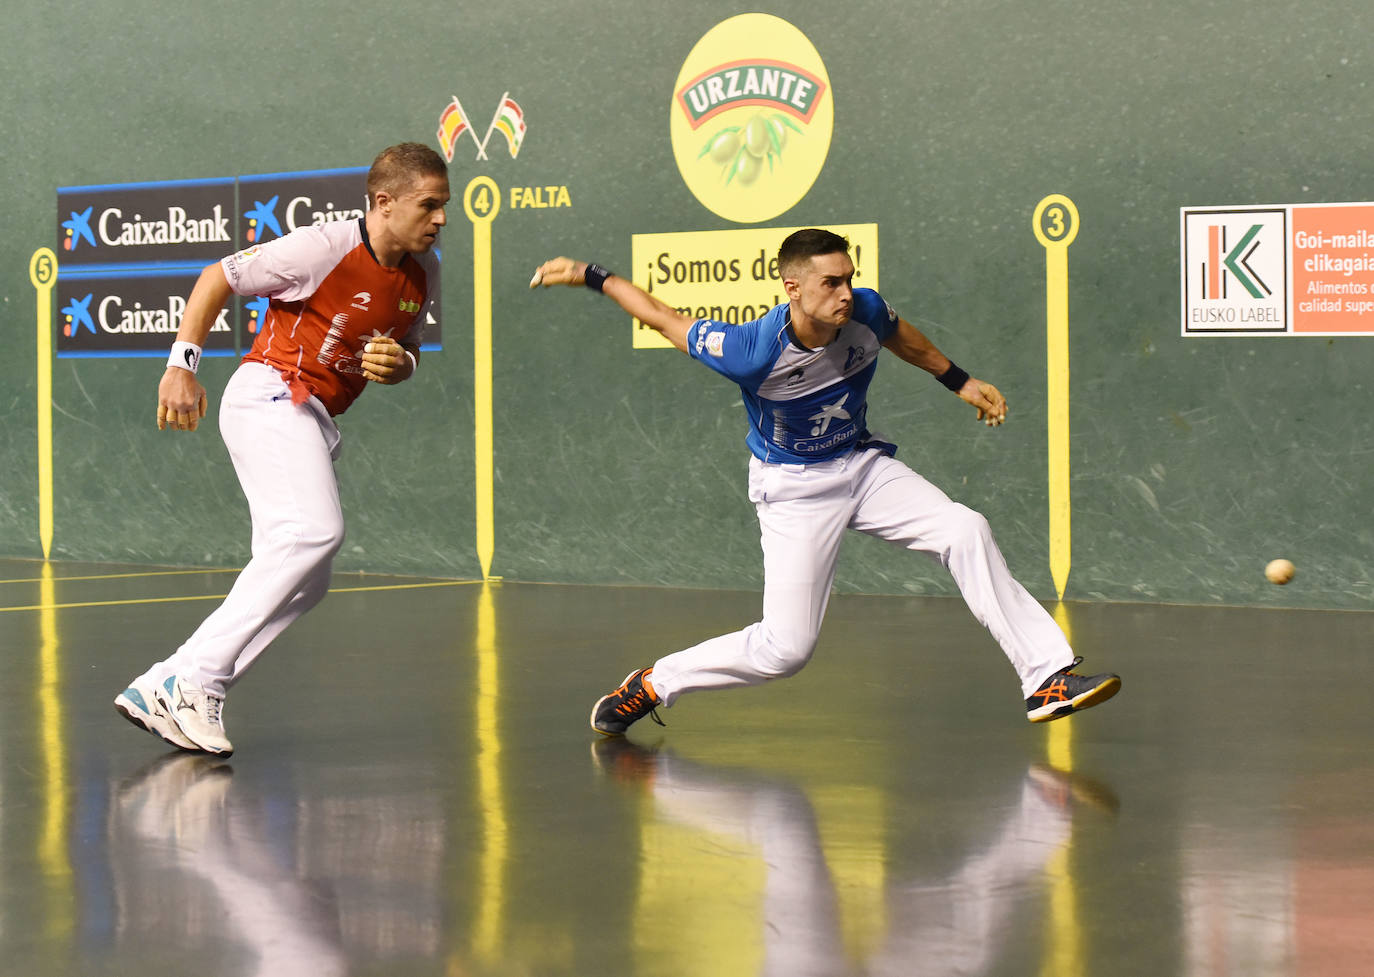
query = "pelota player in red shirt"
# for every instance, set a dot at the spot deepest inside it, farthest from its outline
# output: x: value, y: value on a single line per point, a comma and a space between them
x: 347, y: 305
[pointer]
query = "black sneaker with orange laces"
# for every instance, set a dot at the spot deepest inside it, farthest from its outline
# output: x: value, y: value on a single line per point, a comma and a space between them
x: 615, y: 711
x: 1066, y: 692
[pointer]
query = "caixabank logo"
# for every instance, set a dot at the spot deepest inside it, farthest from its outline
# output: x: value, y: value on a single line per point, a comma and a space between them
x: 751, y: 118
x: 114, y: 314
x: 129, y: 253
x: 275, y: 204
x: 145, y: 222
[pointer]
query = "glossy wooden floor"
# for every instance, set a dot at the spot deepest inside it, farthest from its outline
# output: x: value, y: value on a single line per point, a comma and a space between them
x: 416, y: 792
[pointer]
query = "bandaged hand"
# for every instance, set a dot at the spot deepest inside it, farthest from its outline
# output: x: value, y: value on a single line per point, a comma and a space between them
x: 386, y: 361
x: 180, y: 401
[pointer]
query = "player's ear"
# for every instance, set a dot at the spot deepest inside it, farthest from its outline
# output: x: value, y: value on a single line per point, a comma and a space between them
x: 792, y: 288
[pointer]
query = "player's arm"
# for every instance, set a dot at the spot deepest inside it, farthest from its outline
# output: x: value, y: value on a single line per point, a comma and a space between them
x: 655, y: 314
x: 180, y: 396
x: 912, y: 345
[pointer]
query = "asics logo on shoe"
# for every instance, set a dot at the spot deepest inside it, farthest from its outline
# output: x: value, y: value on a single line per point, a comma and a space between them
x: 1053, y: 692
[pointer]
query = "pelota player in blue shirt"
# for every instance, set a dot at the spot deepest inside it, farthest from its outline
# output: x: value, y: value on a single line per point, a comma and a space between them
x: 803, y: 370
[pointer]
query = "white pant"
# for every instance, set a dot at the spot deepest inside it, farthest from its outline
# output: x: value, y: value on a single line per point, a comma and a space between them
x: 284, y: 456
x: 803, y: 512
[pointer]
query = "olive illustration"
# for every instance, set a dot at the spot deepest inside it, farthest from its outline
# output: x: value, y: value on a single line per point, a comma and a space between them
x: 746, y: 168
x: 724, y: 145
x: 778, y: 130
x: 741, y: 151
x: 756, y: 139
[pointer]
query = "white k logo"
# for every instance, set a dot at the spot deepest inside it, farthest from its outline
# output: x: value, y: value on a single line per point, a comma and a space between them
x: 827, y: 414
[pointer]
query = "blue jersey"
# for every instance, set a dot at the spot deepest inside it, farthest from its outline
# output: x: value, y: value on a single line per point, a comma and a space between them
x: 804, y: 405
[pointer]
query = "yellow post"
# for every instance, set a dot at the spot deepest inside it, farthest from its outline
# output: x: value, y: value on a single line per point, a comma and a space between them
x: 43, y: 274
x: 1056, y: 225
x: 482, y: 202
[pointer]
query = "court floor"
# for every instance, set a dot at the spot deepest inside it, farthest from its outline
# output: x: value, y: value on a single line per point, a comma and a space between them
x: 415, y: 791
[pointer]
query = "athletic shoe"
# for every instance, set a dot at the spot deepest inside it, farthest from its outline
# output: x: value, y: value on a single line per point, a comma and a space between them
x: 616, y: 711
x: 197, y: 713
x: 138, y: 704
x: 1065, y: 692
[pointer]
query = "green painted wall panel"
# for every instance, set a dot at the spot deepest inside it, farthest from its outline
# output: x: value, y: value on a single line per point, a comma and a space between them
x: 1193, y: 461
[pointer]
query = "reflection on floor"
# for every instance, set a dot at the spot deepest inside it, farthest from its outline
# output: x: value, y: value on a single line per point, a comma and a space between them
x: 415, y: 791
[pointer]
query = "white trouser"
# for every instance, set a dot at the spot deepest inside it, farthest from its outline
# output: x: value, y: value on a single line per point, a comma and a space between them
x: 803, y: 512
x: 284, y: 456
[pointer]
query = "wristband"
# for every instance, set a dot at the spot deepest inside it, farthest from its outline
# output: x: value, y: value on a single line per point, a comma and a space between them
x: 413, y: 365
x: 185, y: 355
x: 953, y: 378
x: 596, y: 276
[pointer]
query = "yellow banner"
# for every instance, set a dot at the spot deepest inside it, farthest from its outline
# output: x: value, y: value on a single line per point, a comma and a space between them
x: 730, y: 276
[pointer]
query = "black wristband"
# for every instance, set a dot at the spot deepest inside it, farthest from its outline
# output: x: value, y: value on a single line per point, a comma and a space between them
x: 596, y: 277
x: 953, y: 378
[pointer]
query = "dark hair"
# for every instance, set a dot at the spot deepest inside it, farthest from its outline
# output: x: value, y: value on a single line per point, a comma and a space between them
x: 396, y: 168
x: 806, y: 244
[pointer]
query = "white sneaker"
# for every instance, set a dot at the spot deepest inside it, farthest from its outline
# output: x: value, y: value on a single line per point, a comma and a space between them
x: 196, y: 713
x: 138, y: 704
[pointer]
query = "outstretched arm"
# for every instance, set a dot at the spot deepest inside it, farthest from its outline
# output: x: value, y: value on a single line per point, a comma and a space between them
x: 912, y: 345
x: 655, y: 314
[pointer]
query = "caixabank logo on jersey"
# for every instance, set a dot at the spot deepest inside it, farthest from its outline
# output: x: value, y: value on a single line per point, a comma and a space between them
x: 752, y: 117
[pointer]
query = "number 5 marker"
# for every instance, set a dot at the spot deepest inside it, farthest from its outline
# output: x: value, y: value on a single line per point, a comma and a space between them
x: 43, y: 274
x: 1056, y: 225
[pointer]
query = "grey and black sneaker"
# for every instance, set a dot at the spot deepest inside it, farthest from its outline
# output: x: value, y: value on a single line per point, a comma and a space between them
x: 616, y: 711
x: 1066, y: 692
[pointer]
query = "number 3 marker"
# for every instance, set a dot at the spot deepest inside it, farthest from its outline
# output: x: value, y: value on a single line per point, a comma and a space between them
x: 1055, y: 223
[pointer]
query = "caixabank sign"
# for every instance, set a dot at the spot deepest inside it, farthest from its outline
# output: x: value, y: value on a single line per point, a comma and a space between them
x: 129, y: 254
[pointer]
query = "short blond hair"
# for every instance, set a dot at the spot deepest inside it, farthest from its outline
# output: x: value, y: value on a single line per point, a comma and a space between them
x: 397, y: 168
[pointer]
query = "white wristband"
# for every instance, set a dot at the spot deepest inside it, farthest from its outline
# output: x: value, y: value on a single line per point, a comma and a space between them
x: 413, y: 364
x: 185, y: 355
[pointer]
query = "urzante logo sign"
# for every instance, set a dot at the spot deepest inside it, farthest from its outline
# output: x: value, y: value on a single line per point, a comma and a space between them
x: 751, y: 118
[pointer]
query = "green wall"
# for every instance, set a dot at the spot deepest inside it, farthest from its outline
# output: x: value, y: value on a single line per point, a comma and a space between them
x: 1194, y: 460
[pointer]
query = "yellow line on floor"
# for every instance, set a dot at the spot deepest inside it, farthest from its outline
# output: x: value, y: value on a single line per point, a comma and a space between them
x: 173, y: 600
x: 122, y: 576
